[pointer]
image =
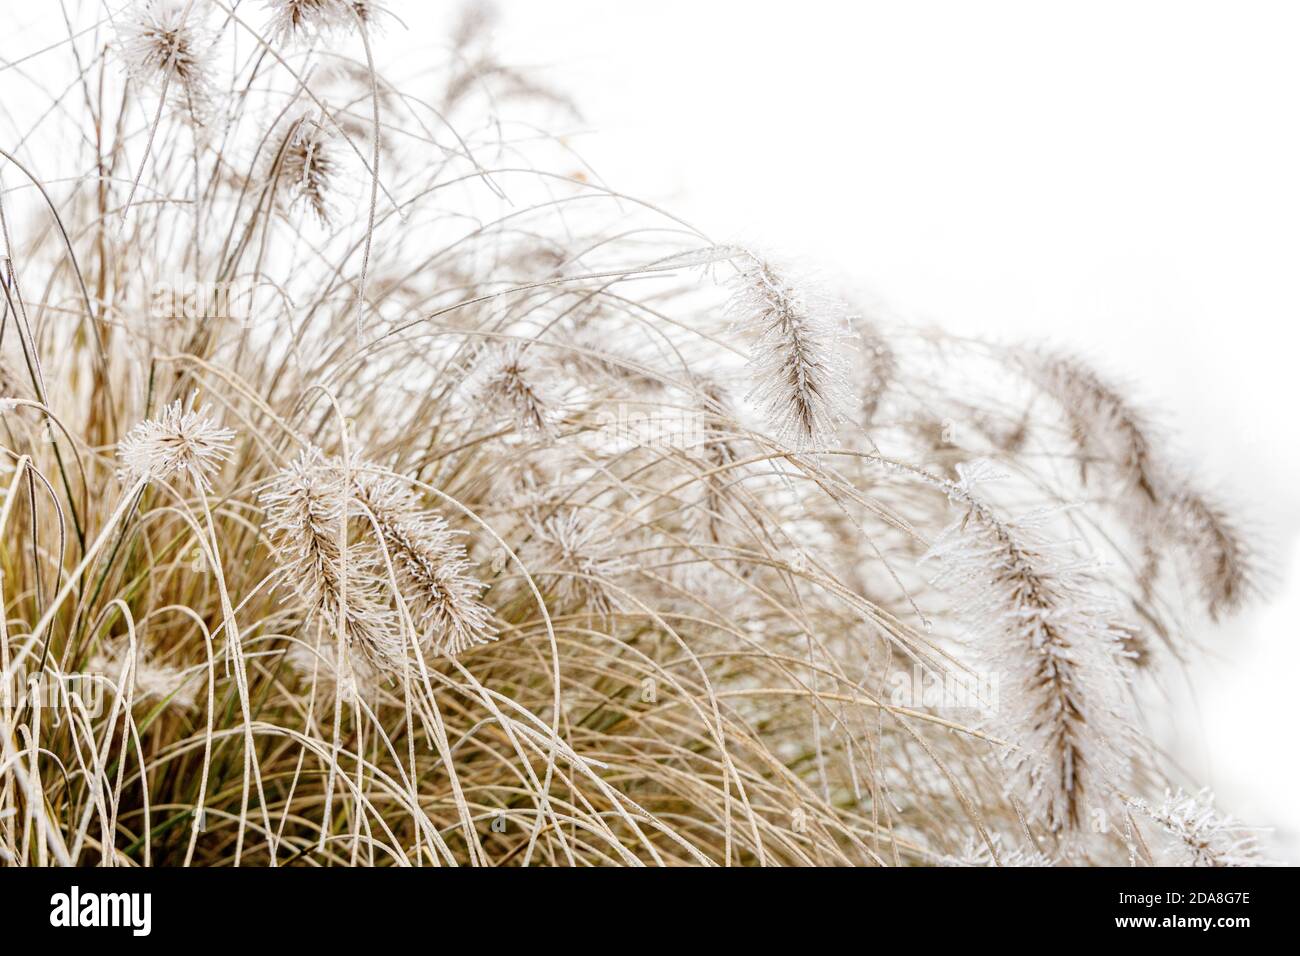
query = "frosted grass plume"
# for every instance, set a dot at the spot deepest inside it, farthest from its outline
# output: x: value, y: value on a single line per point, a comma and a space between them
x: 307, y: 166
x: 798, y: 337
x: 311, y: 20
x: 1195, y: 834
x: 573, y: 557
x: 1165, y: 507
x: 308, y: 505
x: 165, y: 44
x: 432, y: 566
x: 181, y: 440
x: 509, y: 383
x: 152, y: 682
x: 1035, y: 618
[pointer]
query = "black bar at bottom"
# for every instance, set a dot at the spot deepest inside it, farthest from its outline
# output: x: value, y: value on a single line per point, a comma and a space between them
x: 703, y: 907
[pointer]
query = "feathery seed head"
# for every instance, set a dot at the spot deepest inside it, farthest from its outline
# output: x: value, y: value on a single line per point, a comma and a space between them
x: 1166, y: 509
x: 367, y: 11
x: 151, y: 681
x: 308, y: 166
x: 1197, y: 835
x: 1037, y: 622
x: 1220, y: 558
x: 180, y: 440
x: 310, y: 19
x: 1104, y: 425
x: 336, y: 578
x: 431, y: 563
x: 356, y: 679
x: 165, y: 41
x: 572, y: 556
x: 796, y: 358
x: 877, y: 370
x: 509, y: 384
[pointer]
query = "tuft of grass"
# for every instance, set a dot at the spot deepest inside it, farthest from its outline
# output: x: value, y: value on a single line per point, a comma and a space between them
x: 380, y: 488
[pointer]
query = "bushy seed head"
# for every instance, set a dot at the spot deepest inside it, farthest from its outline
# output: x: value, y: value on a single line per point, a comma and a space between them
x: 312, y: 19
x: 166, y: 42
x: 509, y: 383
x: 181, y: 440
x: 432, y: 567
x: 1037, y: 622
x: 1198, y: 835
x: 336, y: 576
x: 573, y: 557
x: 308, y: 166
x: 796, y: 357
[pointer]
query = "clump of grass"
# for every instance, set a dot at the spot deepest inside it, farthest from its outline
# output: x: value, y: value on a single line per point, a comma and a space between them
x: 425, y: 523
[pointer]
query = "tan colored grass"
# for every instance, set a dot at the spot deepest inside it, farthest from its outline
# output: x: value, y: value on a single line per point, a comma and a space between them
x: 482, y: 544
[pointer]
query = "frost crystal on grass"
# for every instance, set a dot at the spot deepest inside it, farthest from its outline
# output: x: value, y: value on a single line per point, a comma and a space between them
x: 509, y: 384
x: 433, y: 570
x: 180, y: 440
x: 1035, y: 621
x: 977, y: 854
x: 307, y: 505
x: 796, y: 356
x: 164, y: 42
x: 1196, y: 835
